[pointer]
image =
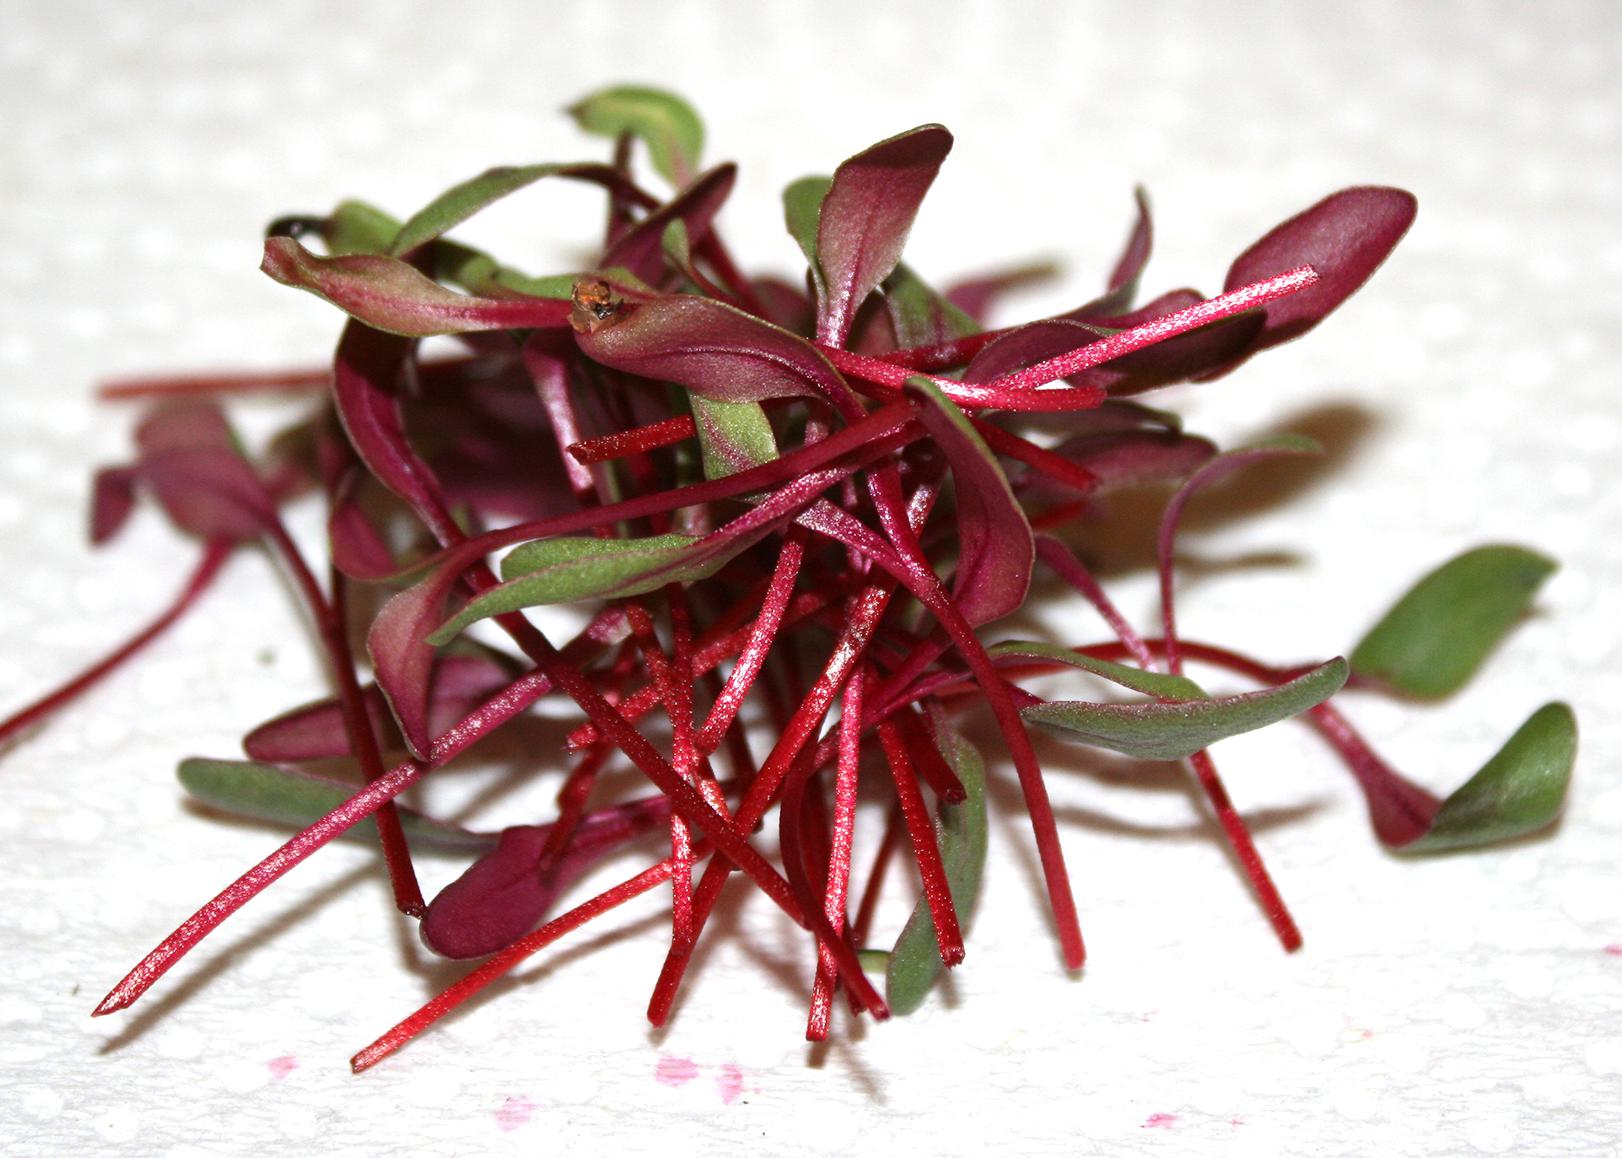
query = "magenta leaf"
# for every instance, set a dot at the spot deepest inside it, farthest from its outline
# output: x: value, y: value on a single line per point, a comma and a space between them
x: 865, y: 218
x: 713, y: 349
x: 1122, y: 286
x: 1176, y: 359
x: 507, y: 892
x: 995, y: 549
x: 358, y: 548
x: 313, y: 731
x: 402, y: 659
x: 1123, y: 459
x: 316, y: 731
x: 112, y: 498
x: 975, y: 296
x: 189, y: 460
x: 389, y: 294
x: 367, y: 374
x: 1344, y: 237
x: 1129, y: 268
x: 641, y: 250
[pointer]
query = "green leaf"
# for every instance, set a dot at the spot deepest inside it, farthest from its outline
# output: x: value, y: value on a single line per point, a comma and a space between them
x: 569, y: 568
x: 1167, y: 687
x: 664, y: 122
x: 1520, y: 790
x: 298, y: 799
x: 356, y: 227
x: 461, y: 202
x: 915, y: 962
x: 920, y: 315
x: 734, y: 436
x: 1175, y: 731
x: 1440, y: 632
x: 678, y: 247
x: 802, y: 209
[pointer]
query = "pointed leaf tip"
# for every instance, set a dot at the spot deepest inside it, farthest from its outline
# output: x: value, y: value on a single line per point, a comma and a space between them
x: 1439, y: 633
x: 1519, y: 791
x: 1174, y: 731
x: 284, y: 796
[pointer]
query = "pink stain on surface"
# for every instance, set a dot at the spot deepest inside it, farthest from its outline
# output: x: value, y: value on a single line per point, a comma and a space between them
x: 1613, y: 950
x: 1159, y: 1122
x: 280, y: 1067
x: 675, y: 1071
x: 729, y: 1083
x: 514, y: 1112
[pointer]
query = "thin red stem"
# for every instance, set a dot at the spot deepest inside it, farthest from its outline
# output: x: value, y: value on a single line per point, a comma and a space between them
x: 921, y: 830
x: 215, y: 553
x: 839, y: 851
x: 637, y: 440
x: 505, y: 961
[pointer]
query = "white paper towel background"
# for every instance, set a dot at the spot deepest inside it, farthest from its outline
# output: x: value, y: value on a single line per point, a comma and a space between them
x: 1457, y: 1006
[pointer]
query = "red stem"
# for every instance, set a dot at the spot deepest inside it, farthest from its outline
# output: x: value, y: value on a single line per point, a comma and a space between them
x: 505, y: 961
x: 488, y: 717
x: 637, y: 440
x: 215, y: 553
x: 334, y: 635
x: 921, y: 830
x: 839, y: 852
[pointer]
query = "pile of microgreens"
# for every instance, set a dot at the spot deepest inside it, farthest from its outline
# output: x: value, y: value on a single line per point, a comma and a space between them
x: 794, y: 514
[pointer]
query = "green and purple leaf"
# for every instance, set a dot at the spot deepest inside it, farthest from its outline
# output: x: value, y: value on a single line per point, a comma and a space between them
x: 389, y: 294
x: 865, y: 217
x: 914, y: 964
x: 1150, y: 683
x: 454, y: 206
x: 259, y: 791
x: 641, y: 249
x: 1175, y: 731
x: 713, y: 349
x: 733, y: 436
x: 996, y: 551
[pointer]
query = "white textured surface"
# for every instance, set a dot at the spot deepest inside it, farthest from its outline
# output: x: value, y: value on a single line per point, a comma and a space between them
x: 1460, y: 1006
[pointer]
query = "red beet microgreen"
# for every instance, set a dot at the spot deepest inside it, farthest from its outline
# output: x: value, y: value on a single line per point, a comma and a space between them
x: 740, y: 481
